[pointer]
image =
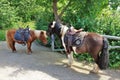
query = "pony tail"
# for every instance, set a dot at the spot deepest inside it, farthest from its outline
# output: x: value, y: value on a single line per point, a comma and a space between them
x: 103, y: 58
x: 7, y: 39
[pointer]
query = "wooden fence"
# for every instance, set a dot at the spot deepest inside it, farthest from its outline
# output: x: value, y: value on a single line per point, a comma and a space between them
x: 113, y: 38
x: 107, y: 36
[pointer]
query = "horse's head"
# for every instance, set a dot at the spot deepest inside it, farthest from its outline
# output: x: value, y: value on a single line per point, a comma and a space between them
x: 50, y: 28
x: 54, y: 27
x: 43, y: 37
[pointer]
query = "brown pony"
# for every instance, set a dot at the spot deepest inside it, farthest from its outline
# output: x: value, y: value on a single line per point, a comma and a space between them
x: 34, y: 34
x: 82, y: 42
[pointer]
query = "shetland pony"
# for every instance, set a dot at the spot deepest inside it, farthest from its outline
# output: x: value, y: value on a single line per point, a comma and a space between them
x: 92, y: 43
x: 34, y: 34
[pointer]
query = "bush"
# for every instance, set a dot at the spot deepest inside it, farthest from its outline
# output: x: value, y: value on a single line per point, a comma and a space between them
x: 2, y: 35
x: 7, y: 14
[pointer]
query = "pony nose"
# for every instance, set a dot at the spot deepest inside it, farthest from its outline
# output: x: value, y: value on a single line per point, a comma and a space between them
x: 45, y: 42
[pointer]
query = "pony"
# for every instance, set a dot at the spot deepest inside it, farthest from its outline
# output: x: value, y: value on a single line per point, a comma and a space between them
x: 33, y: 35
x: 82, y: 42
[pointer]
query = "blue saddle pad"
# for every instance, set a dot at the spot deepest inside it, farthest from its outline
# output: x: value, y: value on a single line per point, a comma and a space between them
x: 22, y: 35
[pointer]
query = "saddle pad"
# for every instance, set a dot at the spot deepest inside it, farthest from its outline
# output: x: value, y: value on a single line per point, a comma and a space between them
x: 22, y: 35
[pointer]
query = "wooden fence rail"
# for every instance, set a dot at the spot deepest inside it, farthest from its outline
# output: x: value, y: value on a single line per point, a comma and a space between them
x: 106, y: 36
x: 113, y: 38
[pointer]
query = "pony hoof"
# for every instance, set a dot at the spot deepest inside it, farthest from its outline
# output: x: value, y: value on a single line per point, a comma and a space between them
x: 14, y: 51
x: 29, y: 52
x: 94, y: 71
x: 66, y: 65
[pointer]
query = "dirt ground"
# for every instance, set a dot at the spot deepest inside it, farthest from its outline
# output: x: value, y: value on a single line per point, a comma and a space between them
x: 43, y: 64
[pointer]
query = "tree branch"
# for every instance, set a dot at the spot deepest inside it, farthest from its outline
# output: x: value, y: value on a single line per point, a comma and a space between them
x: 63, y: 10
x: 55, y: 10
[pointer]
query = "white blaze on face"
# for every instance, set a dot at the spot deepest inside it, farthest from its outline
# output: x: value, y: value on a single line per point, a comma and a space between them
x: 53, y: 25
x: 37, y: 33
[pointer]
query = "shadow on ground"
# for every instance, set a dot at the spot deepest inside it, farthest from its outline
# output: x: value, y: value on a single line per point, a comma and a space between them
x: 43, y: 64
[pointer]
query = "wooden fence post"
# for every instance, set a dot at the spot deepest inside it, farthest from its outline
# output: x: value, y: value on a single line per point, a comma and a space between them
x: 53, y: 44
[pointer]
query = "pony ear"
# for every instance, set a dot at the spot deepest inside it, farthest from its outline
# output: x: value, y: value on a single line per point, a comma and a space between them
x: 53, y: 24
x: 42, y: 32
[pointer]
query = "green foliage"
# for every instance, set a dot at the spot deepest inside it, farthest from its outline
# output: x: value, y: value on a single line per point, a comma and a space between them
x: 2, y: 35
x: 84, y: 56
x: 83, y: 15
x: 31, y: 24
x: 13, y: 11
x: 7, y: 14
x: 108, y: 22
x: 114, y: 3
x: 114, y: 59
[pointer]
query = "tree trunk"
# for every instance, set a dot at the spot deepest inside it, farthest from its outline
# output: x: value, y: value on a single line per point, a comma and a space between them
x: 55, y: 10
x: 56, y: 16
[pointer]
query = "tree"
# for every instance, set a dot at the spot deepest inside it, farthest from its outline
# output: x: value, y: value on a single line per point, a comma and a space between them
x: 8, y: 15
x: 114, y: 3
x: 57, y: 15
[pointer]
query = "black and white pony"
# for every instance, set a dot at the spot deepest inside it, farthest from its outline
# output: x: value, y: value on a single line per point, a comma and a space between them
x: 82, y: 42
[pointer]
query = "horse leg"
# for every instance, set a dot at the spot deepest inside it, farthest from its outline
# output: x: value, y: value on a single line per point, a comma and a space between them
x: 14, y: 49
x: 74, y: 50
x: 62, y: 38
x: 29, y: 47
x: 12, y: 46
x: 70, y: 59
x: 96, y: 67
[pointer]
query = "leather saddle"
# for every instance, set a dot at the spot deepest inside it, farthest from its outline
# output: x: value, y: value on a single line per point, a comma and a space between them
x: 22, y: 35
x: 73, y: 38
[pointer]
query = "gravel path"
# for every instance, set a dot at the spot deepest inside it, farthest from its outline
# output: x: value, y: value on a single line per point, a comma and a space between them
x: 43, y: 64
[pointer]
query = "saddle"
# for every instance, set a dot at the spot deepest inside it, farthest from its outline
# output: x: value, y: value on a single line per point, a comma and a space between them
x: 22, y: 35
x: 74, y: 38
